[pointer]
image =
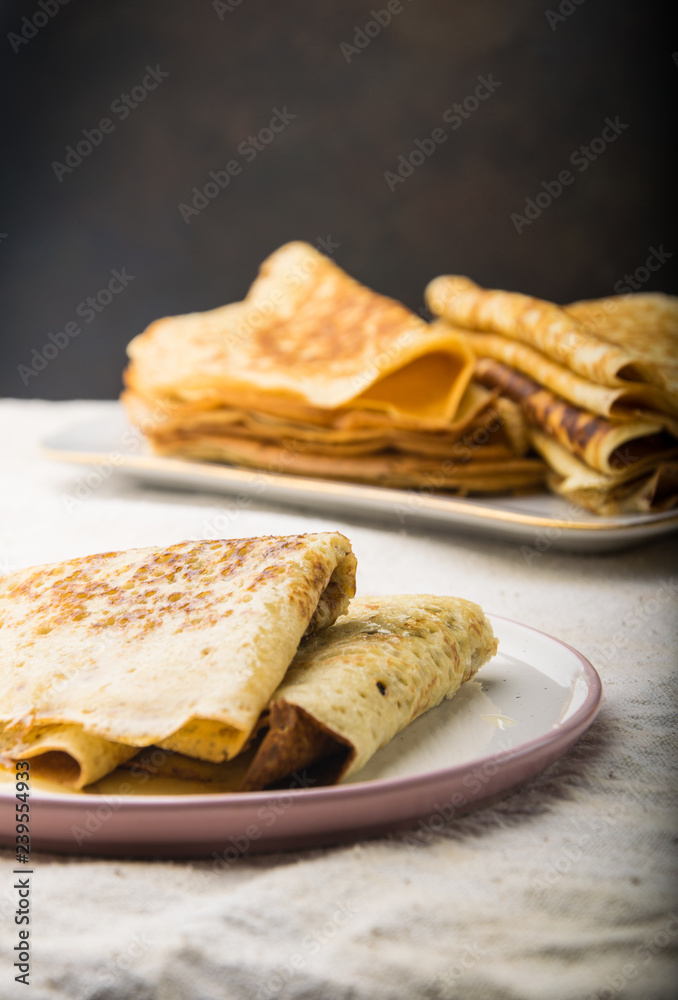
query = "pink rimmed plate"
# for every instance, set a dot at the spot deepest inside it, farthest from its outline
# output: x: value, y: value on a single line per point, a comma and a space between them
x: 524, y: 710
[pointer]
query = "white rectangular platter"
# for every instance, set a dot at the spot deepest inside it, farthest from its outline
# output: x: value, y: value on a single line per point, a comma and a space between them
x: 539, y: 521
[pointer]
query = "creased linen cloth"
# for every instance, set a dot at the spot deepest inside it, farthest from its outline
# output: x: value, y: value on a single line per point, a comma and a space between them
x: 566, y: 889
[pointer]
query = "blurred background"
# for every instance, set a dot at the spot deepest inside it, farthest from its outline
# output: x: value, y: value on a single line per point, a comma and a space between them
x: 317, y: 120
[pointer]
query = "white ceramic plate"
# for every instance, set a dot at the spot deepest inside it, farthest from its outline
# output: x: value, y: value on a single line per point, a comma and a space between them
x: 529, y: 705
x: 540, y: 521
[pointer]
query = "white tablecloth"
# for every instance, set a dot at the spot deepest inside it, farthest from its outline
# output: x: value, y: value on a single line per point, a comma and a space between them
x: 566, y: 889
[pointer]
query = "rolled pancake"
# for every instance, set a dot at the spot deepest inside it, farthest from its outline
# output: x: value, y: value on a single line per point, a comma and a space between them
x: 543, y: 325
x: 604, y: 445
x: 309, y: 334
x: 352, y: 688
x: 645, y: 323
x: 626, y: 491
x: 653, y: 492
x: 179, y: 647
x: 601, y: 399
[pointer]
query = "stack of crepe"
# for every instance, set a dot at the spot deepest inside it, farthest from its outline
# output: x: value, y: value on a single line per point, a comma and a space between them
x: 597, y: 382
x: 314, y: 374
x: 220, y: 651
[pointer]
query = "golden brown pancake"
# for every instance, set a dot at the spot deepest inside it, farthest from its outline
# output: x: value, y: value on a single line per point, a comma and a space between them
x: 307, y: 333
x: 540, y: 324
x: 604, y: 445
x: 597, y: 382
x: 352, y: 688
x: 178, y: 647
x: 313, y: 374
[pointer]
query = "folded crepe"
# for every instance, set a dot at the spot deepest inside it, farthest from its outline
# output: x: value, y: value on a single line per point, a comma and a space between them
x: 314, y: 374
x: 620, y: 492
x: 543, y: 325
x: 342, y: 431
x: 178, y: 647
x: 648, y: 319
x: 480, y: 452
x: 596, y: 381
x: 307, y: 335
x: 626, y: 400
x: 353, y: 687
x: 604, y: 445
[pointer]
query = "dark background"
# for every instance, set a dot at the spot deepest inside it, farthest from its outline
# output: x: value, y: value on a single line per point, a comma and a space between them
x: 324, y: 174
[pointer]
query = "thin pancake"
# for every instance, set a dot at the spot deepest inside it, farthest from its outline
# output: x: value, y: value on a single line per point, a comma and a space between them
x: 625, y: 492
x: 65, y: 754
x: 542, y: 325
x: 179, y: 647
x: 309, y: 333
x: 603, y: 445
x: 152, y: 415
x: 645, y: 323
x: 345, y: 435
x: 601, y: 399
x: 468, y: 467
x: 351, y: 689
